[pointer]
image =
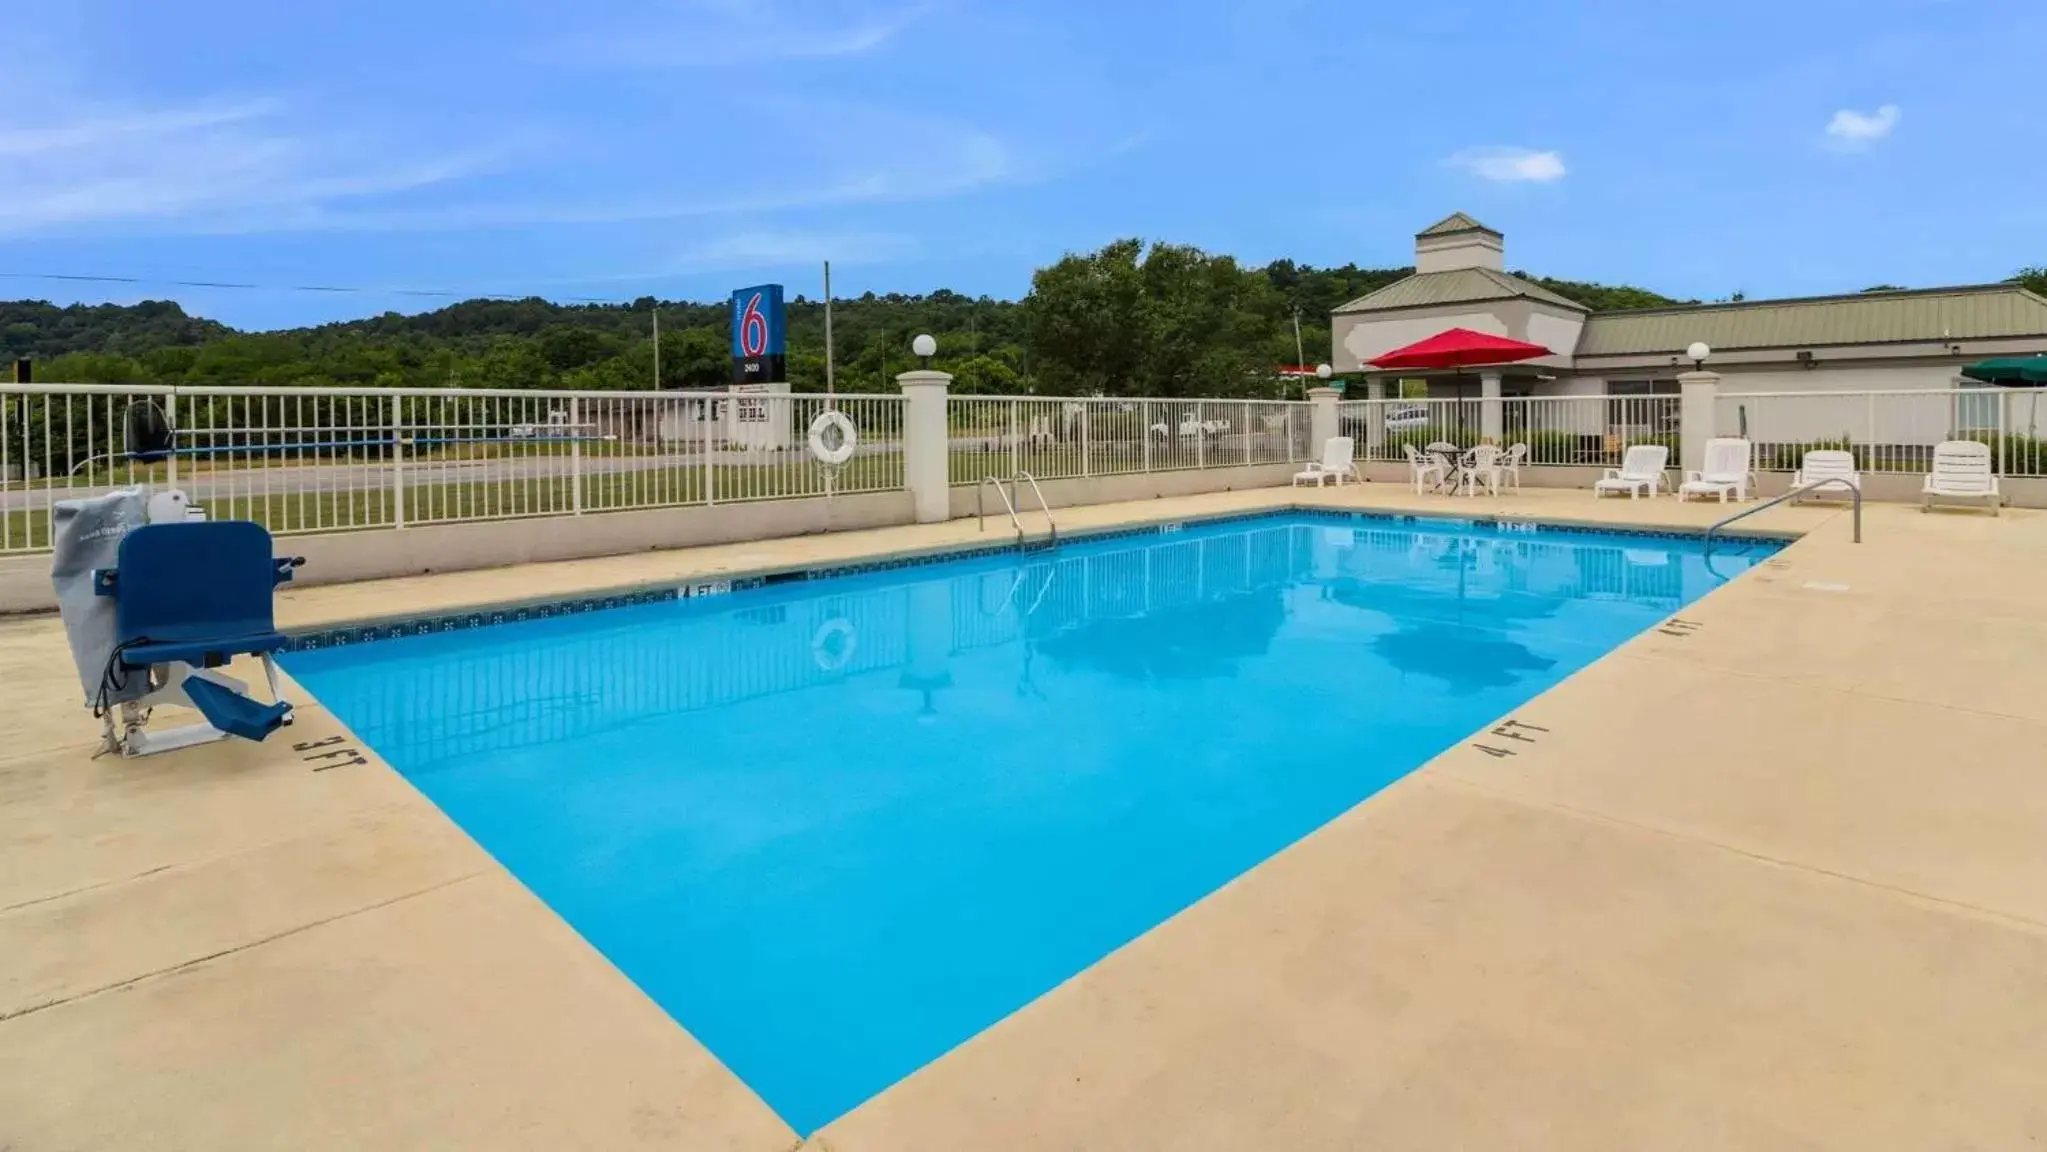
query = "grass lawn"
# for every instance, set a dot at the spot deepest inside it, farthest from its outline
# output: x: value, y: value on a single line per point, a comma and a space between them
x: 237, y: 492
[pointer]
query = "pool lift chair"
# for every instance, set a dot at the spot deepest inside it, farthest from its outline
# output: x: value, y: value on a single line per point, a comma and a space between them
x: 188, y: 598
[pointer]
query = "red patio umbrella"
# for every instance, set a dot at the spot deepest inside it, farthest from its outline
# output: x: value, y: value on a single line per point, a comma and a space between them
x: 1460, y: 348
x: 1457, y: 349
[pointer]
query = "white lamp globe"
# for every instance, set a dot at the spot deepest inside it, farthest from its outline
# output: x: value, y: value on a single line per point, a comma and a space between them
x: 924, y: 346
x: 1324, y: 371
x: 1698, y: 352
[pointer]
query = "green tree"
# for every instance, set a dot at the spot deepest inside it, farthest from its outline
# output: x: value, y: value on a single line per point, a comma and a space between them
x: 1129, y: 319
x: 1163, y: 320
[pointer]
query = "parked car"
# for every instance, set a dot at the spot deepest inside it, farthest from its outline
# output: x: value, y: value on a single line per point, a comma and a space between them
x: 1398, y: 418
x: 1406, y: 416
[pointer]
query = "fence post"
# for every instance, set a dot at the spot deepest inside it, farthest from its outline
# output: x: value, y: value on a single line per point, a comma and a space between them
x: 712, y: 414
x: 1086, y: 440
x: 397, y: 462
x: 1490, y: 426
x: 576, y: 454
x: 1698, y: 397
x: 1144, y: 429
x: 1199, y: 419
x: 1322, y: 421
x: 1015, y: 441
x: 1246, y: 433
x: 927, y: 446
x: 170, y: 415
x: 2001, y: 458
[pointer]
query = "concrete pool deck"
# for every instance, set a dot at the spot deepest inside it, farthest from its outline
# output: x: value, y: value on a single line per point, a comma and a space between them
x: 1776, y: 878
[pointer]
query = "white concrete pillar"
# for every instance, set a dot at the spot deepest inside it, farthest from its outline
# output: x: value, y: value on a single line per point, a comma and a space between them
x: 1375, y: 418
x: 927, y: 444
x: 1696, y: 415
x: 1321, y: 419
x: 1490, y: 425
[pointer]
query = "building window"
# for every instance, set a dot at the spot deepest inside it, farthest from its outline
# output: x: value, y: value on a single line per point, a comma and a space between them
x: 1642, y: 388
x: 1976, y: 407
x: 1642, y: 407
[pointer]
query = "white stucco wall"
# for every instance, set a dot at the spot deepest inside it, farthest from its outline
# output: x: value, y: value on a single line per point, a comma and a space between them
x: 1844, y: 378
x: 1470, y: 250
x: 1777, y: 416
x: 1557, y: 331
x: 1359, y: 338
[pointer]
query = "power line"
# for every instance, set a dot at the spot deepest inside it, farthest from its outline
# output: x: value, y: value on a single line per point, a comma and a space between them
x: 436, y: 293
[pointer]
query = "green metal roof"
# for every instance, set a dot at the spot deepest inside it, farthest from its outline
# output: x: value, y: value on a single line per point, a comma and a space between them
x: 1453, y: 224
x: 1458, y: 286
x: 1981, y: 312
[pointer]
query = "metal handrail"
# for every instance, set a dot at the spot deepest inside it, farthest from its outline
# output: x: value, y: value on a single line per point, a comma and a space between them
x: 1854, y: 490
x: 1050, y: 523
x: 981, y: 506
x: 1009, y: 505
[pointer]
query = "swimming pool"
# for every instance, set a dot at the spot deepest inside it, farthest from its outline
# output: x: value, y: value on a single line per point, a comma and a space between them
x: 835, y: 827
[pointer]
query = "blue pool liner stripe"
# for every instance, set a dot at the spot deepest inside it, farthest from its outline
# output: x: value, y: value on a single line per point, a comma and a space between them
x: 314, y: 639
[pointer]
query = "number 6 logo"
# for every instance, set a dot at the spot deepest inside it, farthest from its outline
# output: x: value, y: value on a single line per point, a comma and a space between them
x: 753, y: 329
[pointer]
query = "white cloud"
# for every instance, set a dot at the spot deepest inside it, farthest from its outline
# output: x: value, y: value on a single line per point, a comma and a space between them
x: 725, y: 33
x: 1853, y: 131
x: 1510, y: 165
x: 834, y: 155
x: 78, y: 160
x: 77, y: 164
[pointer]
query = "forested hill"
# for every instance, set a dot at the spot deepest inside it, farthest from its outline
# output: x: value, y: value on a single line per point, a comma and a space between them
x: 1131, y: 318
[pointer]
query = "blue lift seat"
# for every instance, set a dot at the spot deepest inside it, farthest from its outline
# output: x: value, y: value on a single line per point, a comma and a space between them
x: 199, y: 593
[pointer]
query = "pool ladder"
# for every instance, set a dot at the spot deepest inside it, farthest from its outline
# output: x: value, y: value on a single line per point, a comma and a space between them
x: 1854, y: 492
x: 1009, y: 504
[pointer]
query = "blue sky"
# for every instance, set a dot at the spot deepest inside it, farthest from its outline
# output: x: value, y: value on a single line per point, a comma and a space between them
x: 683, y: 147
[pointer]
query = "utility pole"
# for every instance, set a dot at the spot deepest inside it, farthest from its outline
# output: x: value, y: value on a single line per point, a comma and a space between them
x: 657, y: 346
x: 1300, y: 355
x: 829, y: 386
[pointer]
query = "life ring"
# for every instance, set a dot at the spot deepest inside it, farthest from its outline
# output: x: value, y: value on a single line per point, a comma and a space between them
x: 834, y: 644
x: 849, y: 438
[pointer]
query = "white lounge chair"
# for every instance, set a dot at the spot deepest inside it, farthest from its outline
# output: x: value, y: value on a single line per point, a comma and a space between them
x: 1826, y: 464
x: 1962, y: 473
x: 1725, y: 472
x: 1510, y: 464
x: 1339, y: 459
x: 1426, y: 471
x: 1641, y: 471
x: 1481, y: 465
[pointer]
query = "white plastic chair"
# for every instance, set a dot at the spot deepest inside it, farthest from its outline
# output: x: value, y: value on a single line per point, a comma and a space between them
x: 1510, y: 464
x: 1641, y: 471
x: 1339, y: 459
x: 1826, y: 464
x: 1725, y: 472
x: 1962, y: 473
x: 1481, y: 465
x: 1426, y: 471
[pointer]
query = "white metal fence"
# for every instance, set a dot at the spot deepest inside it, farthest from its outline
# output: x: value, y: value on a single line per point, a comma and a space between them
x: 1888, y: 432
x: 1559, y: 430
x: 1057, y: 438
x: 332, y: 459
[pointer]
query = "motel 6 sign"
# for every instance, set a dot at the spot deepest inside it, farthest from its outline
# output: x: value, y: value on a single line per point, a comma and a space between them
x: 758, y: 333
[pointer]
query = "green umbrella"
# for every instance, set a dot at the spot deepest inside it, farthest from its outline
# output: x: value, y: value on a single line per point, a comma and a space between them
x: 2010, y: 371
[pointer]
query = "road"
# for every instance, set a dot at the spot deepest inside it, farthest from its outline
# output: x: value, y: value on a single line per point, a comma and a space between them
x: 278, y: 478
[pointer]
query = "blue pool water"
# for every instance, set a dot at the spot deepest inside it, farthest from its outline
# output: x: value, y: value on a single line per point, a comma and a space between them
x: 836, y: 827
